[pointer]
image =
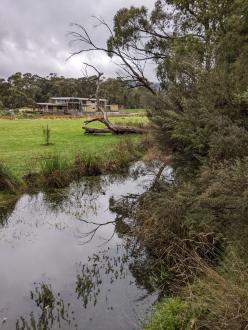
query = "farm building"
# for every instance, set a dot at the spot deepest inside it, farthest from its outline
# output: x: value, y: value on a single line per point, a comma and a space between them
x: 72, y: 105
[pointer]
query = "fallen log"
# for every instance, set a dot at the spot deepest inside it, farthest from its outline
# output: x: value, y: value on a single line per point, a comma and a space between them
x: 115, y: 129
x: 90, y: 130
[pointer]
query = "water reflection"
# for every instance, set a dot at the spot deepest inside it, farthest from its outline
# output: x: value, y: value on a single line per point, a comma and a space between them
x: 52, y: 311
x: 6, y: 208
x: 102, y: 270
x: 103, y: 284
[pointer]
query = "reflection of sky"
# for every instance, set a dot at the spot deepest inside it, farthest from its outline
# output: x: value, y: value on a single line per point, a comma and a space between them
x: 42, y: 242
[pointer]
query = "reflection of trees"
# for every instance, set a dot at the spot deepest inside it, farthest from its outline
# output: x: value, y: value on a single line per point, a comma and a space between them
x: 103, y: 269
x: 6, y: 208
x: 55, y: 199
x: 124, y: 207
x: 87, y: 285
x: 52, y: 311
x: 132, y: 257
x: 80, y: 196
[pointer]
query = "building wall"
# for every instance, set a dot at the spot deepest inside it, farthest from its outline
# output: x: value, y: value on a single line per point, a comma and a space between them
x: 70, y: 106
x: 114, y: 107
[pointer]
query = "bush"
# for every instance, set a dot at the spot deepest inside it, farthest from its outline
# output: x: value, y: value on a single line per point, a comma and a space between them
x: 177, y: 231
x: 186, y: 223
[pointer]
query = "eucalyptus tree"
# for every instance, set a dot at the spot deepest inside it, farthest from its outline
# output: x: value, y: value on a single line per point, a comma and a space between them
x: 199, y: 49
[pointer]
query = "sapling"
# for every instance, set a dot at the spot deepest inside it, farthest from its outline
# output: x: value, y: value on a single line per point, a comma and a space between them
x: 47, y: 135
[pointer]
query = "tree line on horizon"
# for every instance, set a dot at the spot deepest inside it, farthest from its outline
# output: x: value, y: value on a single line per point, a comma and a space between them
x: 25, y: 90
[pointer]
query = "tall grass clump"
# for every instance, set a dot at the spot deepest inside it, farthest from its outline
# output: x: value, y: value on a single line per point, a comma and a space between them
x: 125, y: 152
x: 55, y: 171
x: 58, y: 172
x: 217, y: 299
x: 86, y: 164
x: 8, y: 182
x: 115, y: 160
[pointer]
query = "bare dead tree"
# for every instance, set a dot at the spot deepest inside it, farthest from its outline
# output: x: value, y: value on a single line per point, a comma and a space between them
x: 132, y: 61
x: 98, y: 80
x: 132, y: 64
x: 116, y: 129
x: 111, y: 128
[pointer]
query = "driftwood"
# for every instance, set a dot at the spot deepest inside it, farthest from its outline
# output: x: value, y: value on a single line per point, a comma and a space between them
x: 110, y: 128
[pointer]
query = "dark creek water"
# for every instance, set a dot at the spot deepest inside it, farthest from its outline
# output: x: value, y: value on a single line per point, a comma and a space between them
x: 59, y: 272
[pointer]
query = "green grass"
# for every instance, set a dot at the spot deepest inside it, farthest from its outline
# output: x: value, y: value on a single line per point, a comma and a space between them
x: 170, y: 314
x: 22, y: 141
x: 133, y: 110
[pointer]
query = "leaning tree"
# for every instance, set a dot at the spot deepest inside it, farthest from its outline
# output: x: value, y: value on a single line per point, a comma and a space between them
x: 199, y: 50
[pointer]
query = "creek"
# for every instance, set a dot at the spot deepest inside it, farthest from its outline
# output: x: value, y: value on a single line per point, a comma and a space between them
x: 68, y: 261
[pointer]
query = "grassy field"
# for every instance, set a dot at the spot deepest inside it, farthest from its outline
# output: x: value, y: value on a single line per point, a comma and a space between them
x: 22, y: 141
x: 142, y: 111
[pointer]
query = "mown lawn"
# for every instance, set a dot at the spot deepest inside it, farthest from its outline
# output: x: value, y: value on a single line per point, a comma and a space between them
x: 22, y: 141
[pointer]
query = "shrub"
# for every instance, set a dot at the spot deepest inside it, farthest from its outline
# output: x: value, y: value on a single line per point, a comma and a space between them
x: 186, y: 223
x: 229, y: 141
x: 176, y: 231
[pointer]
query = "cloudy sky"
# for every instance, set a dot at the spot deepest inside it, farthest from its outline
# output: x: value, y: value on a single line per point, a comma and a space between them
x: 33, y: 34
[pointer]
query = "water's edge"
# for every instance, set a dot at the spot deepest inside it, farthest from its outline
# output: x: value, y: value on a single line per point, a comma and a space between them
x: 61, y: 268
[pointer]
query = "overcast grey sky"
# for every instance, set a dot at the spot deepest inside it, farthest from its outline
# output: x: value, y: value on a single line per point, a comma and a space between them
x: 33, y: 34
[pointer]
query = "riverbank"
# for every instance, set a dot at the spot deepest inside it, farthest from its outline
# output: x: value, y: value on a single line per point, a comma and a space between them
x: 196, y: 232
x: 23, y: 145
x: 188, y: 225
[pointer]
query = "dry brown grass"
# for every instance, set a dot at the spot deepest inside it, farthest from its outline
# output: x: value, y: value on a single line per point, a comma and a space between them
x: 221, y: 296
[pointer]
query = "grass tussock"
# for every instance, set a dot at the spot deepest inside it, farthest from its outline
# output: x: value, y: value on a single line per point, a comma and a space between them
x: 168, y: 226
x: 8, y: 182
x: 55, y: 171
x: 58, y: 172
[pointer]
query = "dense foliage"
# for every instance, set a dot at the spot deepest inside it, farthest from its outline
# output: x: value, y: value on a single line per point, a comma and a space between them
x: 24, y: 90
x: 201, y: 53
x: 200, y: 50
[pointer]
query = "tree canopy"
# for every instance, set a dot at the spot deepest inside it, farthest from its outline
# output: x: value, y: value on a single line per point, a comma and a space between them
x: 200, y: 53
x: 25, y: 90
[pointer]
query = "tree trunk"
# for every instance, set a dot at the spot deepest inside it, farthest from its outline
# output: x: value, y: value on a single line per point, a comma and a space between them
x: 115, y: 129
